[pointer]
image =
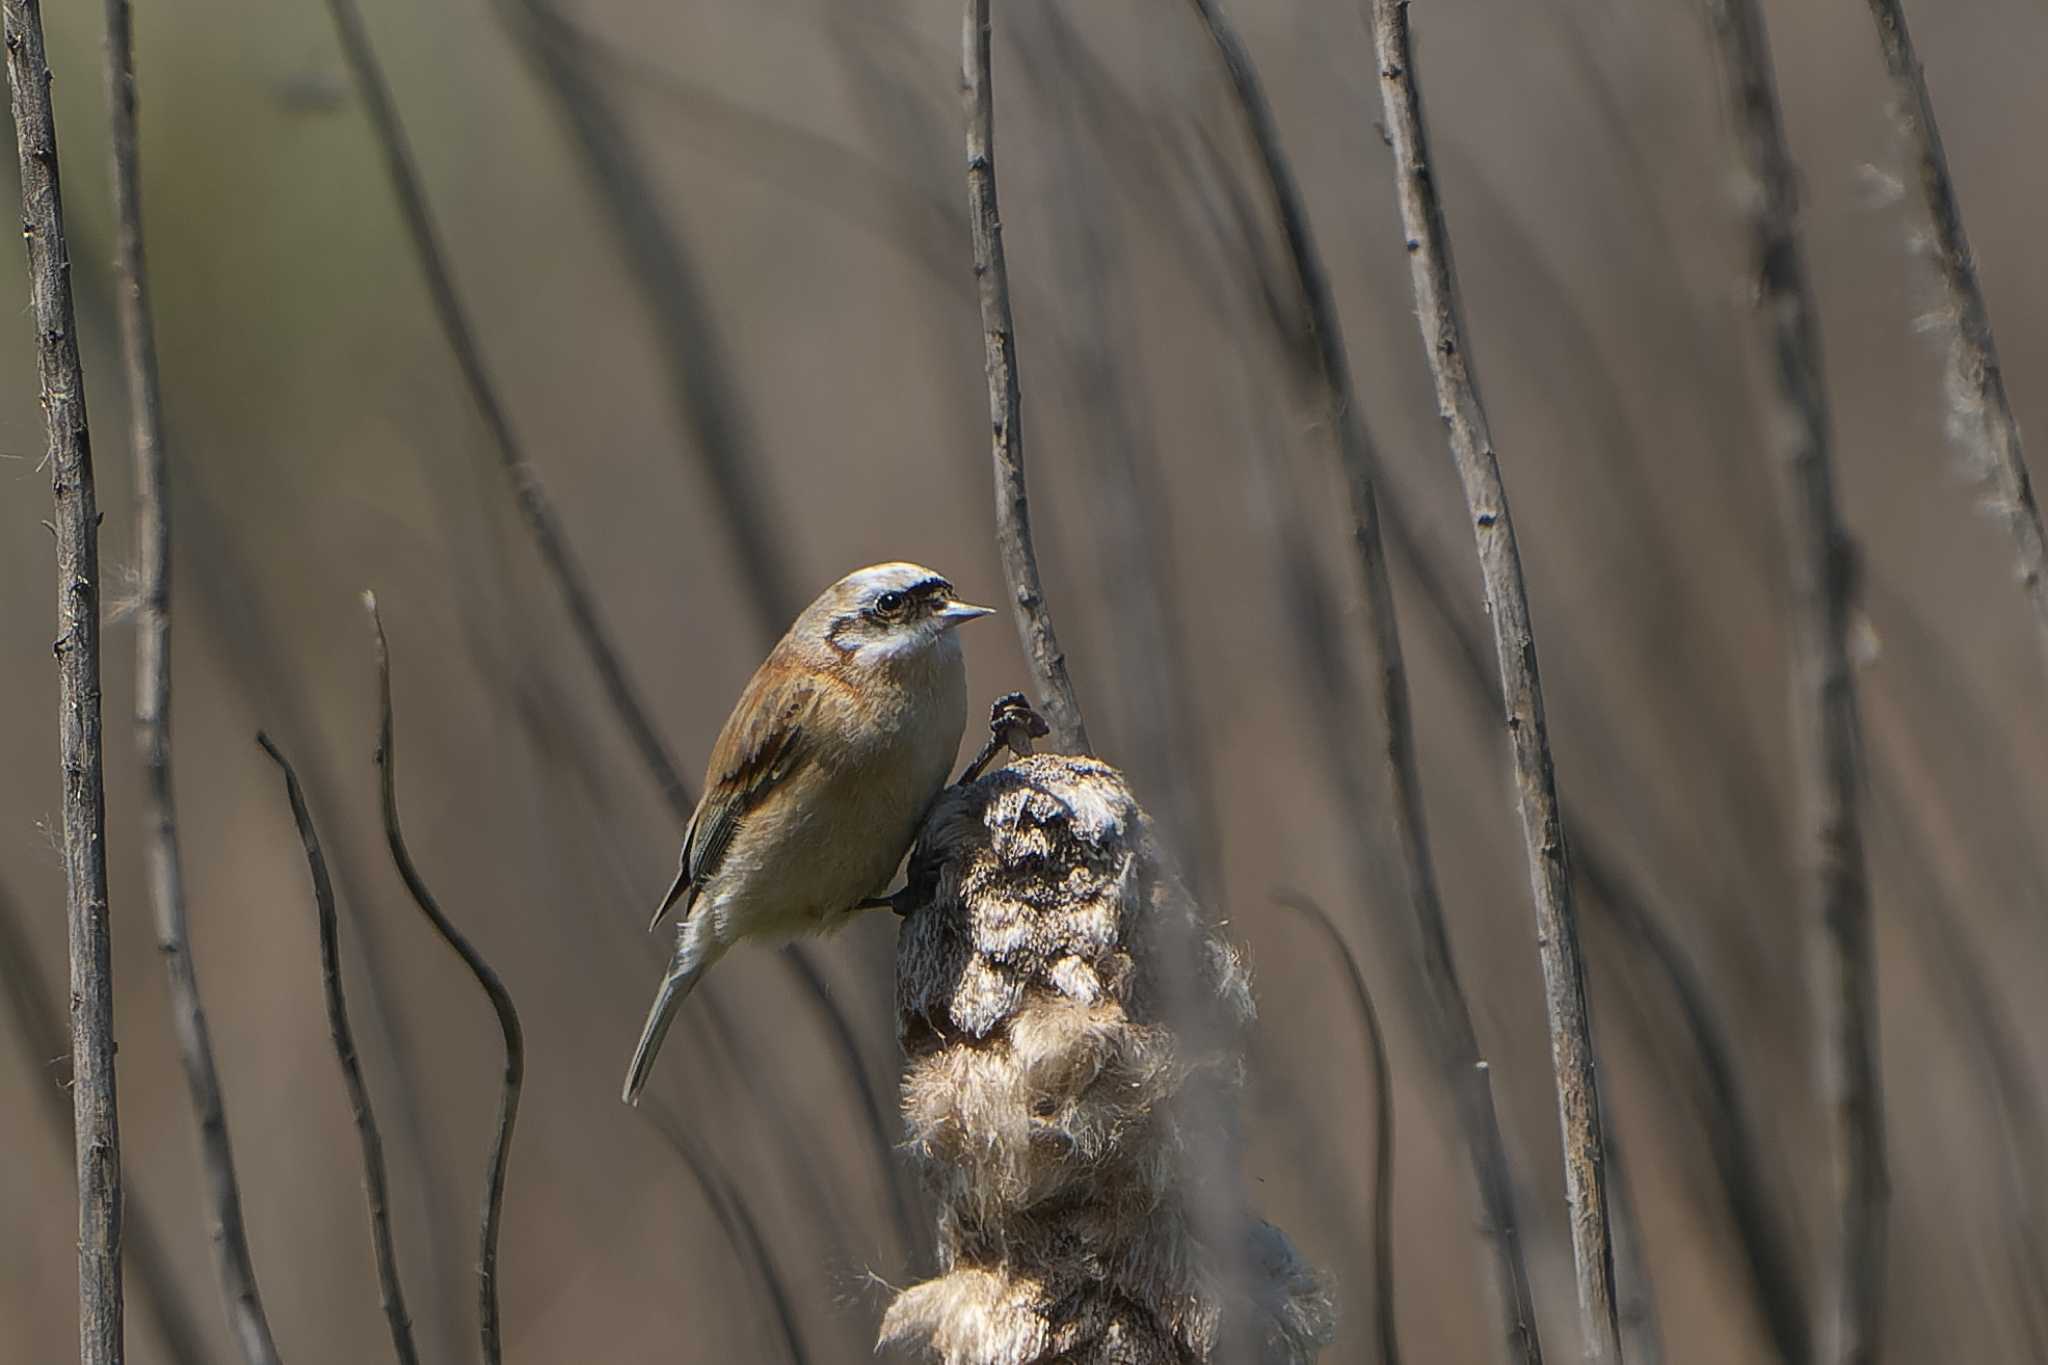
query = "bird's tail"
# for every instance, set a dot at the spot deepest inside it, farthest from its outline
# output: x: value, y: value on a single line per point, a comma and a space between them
x: 696, y: 950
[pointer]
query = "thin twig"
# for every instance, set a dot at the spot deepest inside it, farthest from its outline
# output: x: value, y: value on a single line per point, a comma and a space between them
x: 37, y: 1024
x: 1981, y: 417
x: 1557, y: 935
x: 528, y: 491
x: 97, y: 1138
x: 1826, y: 729
x: 1056, y: 698
x: 501, y: 1001
x: 1450, y: 1019
x: 243, y: 1303
x: 374, y: 1188
x: 1384, y: 1316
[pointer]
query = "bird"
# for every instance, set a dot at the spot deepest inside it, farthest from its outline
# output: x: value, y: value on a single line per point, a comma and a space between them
x: 821, y: 777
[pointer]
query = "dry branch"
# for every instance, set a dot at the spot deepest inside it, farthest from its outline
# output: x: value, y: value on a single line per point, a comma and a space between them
x: 528, y: 490
x: 247, y: 1321
x: 1612, y: 889
x: 1557, y: 937
x: 38, y: 1024
x: 1981, y: 418
x: 493, y: 988
x: 1074, y: 1025
x: 97, y: 1138
x: 999, y: 343
x: 374, y: 1186
x: 1827, y: 732
x: 1450, y: 1026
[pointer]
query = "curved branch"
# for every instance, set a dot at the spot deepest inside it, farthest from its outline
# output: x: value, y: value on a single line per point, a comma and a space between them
x: 374, y: 1190
x: 1507, y: 598
x: 493, y: 988
x: 1055, y: 689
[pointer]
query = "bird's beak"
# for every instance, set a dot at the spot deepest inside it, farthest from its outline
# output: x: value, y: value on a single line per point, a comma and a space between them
x: 959, y: 613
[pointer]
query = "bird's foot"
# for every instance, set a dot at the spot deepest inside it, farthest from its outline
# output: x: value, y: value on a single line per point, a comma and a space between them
x: 899, y: 902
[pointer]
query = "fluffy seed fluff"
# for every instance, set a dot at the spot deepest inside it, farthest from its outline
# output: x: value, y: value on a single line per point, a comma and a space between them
x: 1073, y: 1026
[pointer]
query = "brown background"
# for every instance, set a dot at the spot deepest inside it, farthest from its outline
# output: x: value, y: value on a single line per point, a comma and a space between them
x: 810, y: 155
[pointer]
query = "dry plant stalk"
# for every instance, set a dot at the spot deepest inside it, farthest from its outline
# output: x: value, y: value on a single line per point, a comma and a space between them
x: 1005, y: 408
x: 514, y: 1077
x: 1074, y: 1028
x: 34, y: 1019
x: 1557, y: 935
x: 1980, y: 417
x: 1610, y: 886
x: 96, y: 1131
x: 375, y: 1187
x: 1827, y: 731
x: 1453, y: 1038
x: 247, y: 1321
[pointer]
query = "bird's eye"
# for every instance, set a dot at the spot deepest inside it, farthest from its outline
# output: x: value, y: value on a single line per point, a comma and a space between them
x: 891, y: 603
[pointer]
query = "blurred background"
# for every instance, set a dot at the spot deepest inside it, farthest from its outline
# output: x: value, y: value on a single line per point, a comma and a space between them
x: 737, y: 232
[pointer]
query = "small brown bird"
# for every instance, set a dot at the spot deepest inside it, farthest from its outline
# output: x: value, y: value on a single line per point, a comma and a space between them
x: 821, y: 776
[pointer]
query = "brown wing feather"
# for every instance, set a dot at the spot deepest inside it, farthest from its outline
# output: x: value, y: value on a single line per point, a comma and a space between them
x: 764, y: 741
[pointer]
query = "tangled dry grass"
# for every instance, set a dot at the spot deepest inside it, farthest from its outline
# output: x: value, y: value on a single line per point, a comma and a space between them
x: 1074, y: 1026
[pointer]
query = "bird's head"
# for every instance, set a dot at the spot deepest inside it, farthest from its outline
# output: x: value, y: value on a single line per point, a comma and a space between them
x: 888, y: 613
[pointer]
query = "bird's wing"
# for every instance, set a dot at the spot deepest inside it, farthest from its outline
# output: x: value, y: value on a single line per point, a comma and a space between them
x: 766, y: 739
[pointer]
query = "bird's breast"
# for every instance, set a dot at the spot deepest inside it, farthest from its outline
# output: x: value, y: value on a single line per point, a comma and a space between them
x: 836, y: 834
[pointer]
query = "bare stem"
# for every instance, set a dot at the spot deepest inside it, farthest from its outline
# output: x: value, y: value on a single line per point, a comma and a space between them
x: 36, y: 1023
x: 527, y: 488
x: 1450, y: 1018
x: 999, y: 340
x: 1982, y: 417
x: 1384, y: 1317
x: 374, y: 1185
x: 97, y: 1137
x: 1557, y: 935
x: 493, y: 988
x: 1602, y: 874
x: 243, y: 1303
x: 1826, y: 727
